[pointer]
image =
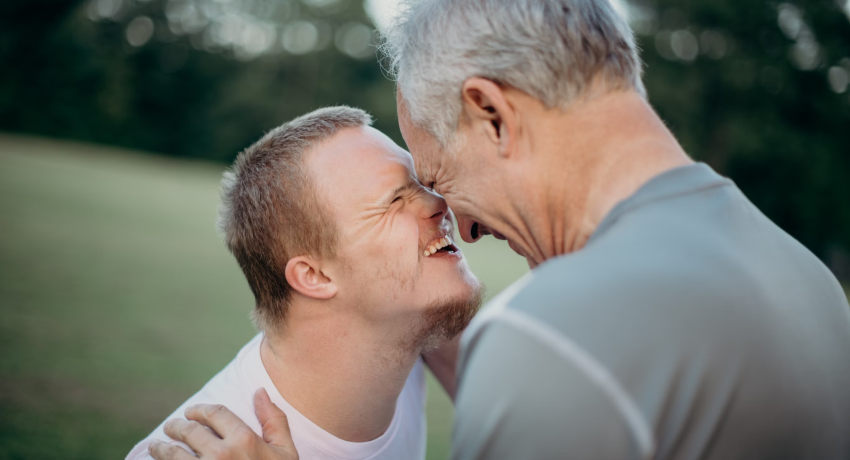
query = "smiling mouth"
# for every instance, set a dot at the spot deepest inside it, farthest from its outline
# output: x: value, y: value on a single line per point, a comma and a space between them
x: 442, y: 245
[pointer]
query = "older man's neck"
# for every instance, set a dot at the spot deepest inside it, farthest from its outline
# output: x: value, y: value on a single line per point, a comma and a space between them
x: 342, y: 378
x: 608, y: 148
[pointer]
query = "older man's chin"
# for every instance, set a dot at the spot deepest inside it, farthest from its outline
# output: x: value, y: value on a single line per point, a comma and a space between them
x: 531, y: 262
x: 448, y: 317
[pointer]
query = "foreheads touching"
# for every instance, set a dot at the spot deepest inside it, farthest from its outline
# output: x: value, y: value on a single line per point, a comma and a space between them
x: 329, y: 222
x: 553, y: 50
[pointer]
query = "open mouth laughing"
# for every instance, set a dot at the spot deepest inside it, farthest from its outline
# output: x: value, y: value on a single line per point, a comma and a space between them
x: 441, y: 244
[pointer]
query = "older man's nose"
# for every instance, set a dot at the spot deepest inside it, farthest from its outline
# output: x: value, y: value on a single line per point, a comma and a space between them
x: 470, y: 230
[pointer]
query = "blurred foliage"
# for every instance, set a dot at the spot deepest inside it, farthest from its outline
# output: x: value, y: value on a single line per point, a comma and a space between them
x: 66, y: 75
x: 764, y: 104
x: 755, y: 88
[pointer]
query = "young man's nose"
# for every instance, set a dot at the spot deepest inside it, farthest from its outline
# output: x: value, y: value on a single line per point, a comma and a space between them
x: 434, y: 207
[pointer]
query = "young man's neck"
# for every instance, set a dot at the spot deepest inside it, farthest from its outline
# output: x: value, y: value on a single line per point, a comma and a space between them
x: 593, y: 156
x: 344, y: 378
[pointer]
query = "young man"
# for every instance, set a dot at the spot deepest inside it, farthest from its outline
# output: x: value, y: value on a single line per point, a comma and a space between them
x: 354, y: 272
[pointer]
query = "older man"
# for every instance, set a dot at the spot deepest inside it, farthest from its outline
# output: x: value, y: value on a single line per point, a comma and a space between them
x: 354, y: 272
x: 665, y: 316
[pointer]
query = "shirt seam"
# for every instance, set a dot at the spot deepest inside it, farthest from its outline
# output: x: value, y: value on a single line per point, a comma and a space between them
x: 593, y: 370
x: 612, y: 218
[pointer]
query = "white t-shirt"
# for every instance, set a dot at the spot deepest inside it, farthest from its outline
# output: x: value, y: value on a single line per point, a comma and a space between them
x: 234, y: 387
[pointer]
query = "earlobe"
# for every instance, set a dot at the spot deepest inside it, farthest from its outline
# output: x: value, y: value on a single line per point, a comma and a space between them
x: 305, y: 275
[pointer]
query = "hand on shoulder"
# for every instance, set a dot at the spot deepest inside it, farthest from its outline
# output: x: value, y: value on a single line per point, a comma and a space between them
x: 230, y: 438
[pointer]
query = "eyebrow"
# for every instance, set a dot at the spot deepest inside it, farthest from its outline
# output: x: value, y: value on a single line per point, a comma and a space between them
x: 391, y: 196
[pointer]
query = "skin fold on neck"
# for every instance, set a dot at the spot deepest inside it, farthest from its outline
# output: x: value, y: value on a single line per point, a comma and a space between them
x: 585, y: 160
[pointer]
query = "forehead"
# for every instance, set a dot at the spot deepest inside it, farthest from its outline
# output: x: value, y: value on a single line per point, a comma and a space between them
x: 423, y: 145
x: 358, y: 167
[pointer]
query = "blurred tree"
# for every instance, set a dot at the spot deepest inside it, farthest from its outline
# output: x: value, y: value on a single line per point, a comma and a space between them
x: 196, y: 78
x: 757, y: 89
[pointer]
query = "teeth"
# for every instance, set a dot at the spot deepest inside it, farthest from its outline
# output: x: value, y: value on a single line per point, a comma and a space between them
x: 441, y: 243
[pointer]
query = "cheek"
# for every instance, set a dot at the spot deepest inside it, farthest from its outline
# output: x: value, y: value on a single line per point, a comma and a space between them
x: 395, y: 244
x: 403, y: 237
x: 472, y: 189
x: 394, y: 264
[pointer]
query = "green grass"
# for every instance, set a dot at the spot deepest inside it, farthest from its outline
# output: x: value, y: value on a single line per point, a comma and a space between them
x: 118, y: 299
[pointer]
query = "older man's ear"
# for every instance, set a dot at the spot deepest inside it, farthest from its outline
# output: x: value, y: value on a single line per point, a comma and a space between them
x: 307, y: 277
x: 487, y: 108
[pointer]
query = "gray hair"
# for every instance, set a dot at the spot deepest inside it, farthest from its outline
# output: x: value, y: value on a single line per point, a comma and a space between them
x: 552, y: 50
x: 270, y: 211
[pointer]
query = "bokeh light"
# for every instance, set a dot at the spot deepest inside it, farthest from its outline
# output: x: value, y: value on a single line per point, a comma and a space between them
x: 356, y: 40
x: 839, y: 79
x: 300, y: 37
x: 139, y: 30
x: 248, y: 29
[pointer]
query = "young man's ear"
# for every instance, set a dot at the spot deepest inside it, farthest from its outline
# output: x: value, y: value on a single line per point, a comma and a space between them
x: 305, y: 275
x: 485, y: 105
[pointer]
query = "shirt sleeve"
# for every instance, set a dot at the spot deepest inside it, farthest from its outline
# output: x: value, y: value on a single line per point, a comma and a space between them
x: 521, y: 399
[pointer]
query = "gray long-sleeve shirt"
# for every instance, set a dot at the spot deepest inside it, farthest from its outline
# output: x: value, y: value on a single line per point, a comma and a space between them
x: 689, y: 327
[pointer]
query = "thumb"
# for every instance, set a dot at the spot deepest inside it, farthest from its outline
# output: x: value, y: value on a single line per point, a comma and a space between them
x: 274, y: 421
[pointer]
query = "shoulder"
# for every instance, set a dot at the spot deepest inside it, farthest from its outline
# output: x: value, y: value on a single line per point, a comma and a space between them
x: 216, y: 391
x: 621, y: 311
x: 140, y: 451
x: 607, y: 292
x: 534, y: 393
x: 231, y: 387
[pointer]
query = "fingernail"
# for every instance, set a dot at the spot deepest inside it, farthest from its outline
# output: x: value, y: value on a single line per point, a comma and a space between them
x: 153, y: 445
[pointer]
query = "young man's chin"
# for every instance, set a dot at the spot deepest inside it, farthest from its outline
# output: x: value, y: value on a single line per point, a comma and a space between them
x: 445, y: 318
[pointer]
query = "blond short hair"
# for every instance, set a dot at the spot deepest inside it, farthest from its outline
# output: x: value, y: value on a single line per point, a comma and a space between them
x: 270, y: 211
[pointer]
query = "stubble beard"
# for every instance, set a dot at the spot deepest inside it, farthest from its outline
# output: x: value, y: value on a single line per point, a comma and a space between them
x: 444, y: 319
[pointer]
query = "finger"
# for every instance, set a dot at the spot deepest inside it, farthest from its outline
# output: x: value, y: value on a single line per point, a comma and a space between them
x: 274, y: 421
x: 164, y: 451
x: 217, y: 417
x: 192, y: 433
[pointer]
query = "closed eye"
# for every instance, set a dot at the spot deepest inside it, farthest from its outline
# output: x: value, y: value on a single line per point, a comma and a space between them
x: 396, y: 199
x: 430, y: 186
